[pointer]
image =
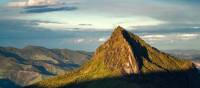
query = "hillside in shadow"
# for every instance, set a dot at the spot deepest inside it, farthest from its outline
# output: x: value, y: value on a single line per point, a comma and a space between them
x: 175, y: 79
x: 6, y: 83
x: 178, y: 79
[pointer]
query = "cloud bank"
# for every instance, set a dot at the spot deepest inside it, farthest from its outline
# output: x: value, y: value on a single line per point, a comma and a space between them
x: 75, y: 24
x: 171, y: 37
x: 49, y: 9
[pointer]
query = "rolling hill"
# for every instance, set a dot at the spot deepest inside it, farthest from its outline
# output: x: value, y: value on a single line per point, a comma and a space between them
x: 21, y: 67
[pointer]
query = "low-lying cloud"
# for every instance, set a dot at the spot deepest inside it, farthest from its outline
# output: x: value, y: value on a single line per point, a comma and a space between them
x: 171, y: 37
x: 90, y: 40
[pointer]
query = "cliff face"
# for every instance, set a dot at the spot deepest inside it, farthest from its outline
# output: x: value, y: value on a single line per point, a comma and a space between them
x: 127, y: 61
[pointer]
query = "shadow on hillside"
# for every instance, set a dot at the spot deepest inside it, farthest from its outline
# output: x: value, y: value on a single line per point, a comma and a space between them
x: 178, y: 79
x: 142, y: 52
x: 6, y: 83
x: 19, y: 59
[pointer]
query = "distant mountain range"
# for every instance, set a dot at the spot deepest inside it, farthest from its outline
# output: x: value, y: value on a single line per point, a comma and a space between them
x: 127, y: 61
x: 21, y: 67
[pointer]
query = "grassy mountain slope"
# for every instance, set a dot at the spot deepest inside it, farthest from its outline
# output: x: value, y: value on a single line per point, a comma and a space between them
x: 126, y: 61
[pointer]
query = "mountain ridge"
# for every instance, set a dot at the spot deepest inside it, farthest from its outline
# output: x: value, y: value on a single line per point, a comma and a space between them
x: 126, y: 61
x: 25, y: 66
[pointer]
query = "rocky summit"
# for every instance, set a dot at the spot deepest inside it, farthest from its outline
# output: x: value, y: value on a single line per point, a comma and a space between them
x: 127, y: 61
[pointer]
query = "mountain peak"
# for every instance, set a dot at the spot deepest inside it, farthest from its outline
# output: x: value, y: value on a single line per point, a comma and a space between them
x: 129, y: 54
x: 119, y: 29
x: 120, y: 32
x: 126, y: 55
x: 118, y: 52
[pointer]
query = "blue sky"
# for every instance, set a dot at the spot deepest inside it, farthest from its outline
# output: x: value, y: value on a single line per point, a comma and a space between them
x: 85, y: 24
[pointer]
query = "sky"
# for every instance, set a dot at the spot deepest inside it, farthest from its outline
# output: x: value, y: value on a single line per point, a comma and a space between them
x: 85, y: 24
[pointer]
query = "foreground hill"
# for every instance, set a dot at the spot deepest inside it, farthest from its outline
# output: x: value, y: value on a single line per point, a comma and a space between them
x: 126, y: 61
x: 21, y: 67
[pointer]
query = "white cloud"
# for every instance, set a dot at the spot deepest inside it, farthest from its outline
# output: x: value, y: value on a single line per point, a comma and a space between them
x: 154, y: 37
x: 90, y: 40
x: 170, y: 37
x: 103, y: 39
x: 52, y: 26
x: 29, y: 3
x: 150, y: 38
x: 96, y: 22
x: 196, y: 27
x: 131, y: 22
x: 187, y: 36
x: 80, y: 40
